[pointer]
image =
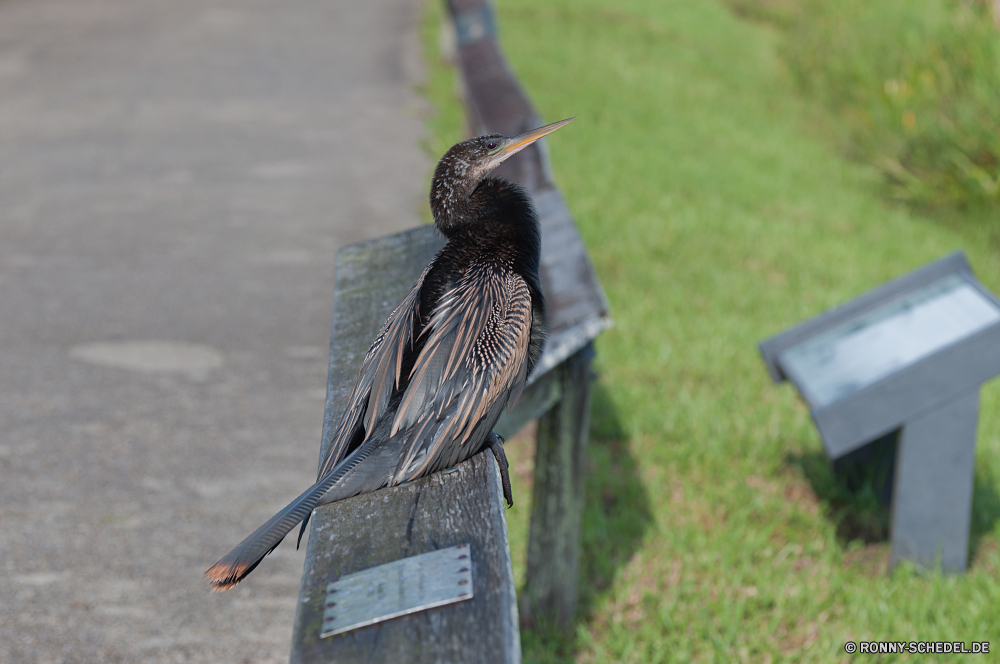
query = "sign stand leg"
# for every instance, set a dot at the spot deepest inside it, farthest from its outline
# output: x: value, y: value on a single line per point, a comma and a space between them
x: 932, y: 501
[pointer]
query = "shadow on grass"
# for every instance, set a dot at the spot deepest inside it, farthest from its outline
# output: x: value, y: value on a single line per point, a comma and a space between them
x: 616, y: 516
x: 858, y: 490
x: 985, y: 509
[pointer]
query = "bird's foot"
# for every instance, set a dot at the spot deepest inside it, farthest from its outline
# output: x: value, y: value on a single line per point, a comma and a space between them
x: 495, y: 441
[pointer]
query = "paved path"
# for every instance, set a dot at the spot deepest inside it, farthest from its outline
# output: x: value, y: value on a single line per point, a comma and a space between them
x: 175, y: 178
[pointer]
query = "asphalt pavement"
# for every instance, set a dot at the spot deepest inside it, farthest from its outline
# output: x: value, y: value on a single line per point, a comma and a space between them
x: 175, y: 179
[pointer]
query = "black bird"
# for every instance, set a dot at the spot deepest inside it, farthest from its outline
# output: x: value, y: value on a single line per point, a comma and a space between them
x: 450, y: 357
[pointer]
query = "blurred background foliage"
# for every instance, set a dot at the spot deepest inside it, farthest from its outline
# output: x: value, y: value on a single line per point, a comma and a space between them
x: 916, y: 83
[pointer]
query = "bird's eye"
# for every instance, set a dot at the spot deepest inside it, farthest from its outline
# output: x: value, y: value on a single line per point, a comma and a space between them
x: 492, y: 145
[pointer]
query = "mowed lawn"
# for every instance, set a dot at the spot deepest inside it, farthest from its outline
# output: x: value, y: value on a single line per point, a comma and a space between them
x: 718, y: 212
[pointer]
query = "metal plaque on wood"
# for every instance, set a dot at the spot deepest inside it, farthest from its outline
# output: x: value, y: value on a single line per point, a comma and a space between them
x: 397, y: 589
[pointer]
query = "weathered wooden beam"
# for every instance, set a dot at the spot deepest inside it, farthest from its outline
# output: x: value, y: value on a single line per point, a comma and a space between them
x: 442, y: 510
x: 550, y: 588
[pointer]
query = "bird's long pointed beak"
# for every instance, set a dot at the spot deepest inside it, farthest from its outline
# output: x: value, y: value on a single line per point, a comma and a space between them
x: 515, y: 144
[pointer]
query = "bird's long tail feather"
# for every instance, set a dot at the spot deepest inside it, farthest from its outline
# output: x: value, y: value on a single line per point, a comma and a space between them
x: 235, y: 565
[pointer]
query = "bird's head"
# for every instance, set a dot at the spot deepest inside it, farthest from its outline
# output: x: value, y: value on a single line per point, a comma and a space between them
x: 466, y: 164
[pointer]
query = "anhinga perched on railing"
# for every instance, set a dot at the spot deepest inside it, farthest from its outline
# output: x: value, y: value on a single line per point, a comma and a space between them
x: 455, y: 352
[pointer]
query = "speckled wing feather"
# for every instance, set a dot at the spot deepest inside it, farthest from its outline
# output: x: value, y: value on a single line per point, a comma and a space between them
x: 474, y: 359
x: 378, y: 377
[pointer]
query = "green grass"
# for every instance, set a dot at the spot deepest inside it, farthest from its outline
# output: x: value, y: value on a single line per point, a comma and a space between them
x: 717, y: 213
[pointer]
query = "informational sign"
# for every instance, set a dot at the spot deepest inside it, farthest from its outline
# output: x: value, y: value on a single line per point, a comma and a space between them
x: 856, y: 353
x: 397, y: 589
x: 904, y: 361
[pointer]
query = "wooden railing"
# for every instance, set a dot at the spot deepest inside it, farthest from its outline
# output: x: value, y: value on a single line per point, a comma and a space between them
x: 465, y: 506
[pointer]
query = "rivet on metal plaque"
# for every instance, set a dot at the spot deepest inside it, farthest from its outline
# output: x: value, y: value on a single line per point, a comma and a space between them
x: 397, y: 589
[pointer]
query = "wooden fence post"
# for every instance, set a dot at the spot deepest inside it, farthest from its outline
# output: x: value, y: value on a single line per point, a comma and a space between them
x: 557, y: 498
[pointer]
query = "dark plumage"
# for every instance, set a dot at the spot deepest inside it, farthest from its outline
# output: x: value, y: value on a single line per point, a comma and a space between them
x: 450, y: 357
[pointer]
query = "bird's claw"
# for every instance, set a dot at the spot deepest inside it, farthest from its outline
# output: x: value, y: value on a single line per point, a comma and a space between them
x: 495, y: 441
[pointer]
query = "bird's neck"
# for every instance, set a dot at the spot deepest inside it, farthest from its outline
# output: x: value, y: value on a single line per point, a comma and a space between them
x: 494, y: 211
x: 451, y: 192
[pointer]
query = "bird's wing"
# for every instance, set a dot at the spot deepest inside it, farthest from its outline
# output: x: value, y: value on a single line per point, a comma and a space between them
x: 474, y: 361
x: 378, y: 377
